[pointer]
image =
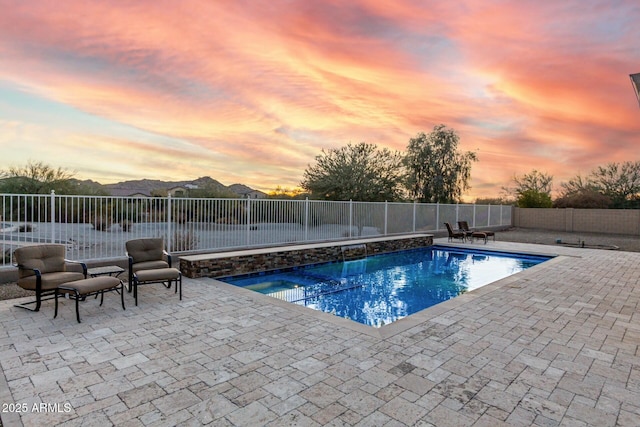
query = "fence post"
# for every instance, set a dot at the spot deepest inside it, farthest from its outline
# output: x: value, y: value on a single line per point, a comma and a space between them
x: 53, y: 216
x: 306, y: 219
x: 414, y: 216
x: 386, y: 216
x: 474, y: 216
x: 248, y: 220
x: 457, y: 213
x: 489, y: 215
x: 350, y: 216
x: 169, y: 237
x: 437, y: 216
x: 500, y: 215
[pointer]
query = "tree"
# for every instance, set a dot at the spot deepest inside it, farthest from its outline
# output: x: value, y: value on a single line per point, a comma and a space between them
x: 541, y: 182
x: 355, y: 172
x: 581, y: 193
x: 532, y: 190
x: 436, y: 170
x: 620, y: 182
x: 36, y: 178
x: 534, y: 199
x: 577, y: 185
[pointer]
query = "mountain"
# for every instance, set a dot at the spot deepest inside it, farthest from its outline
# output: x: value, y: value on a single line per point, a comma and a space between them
x: 148, y: 187
x: 201, y: 187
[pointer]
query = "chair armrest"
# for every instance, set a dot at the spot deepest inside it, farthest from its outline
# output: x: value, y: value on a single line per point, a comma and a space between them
x: 35, y: 270
x: 168, y: 255
x: 82, y: 264
x: 37, y: 274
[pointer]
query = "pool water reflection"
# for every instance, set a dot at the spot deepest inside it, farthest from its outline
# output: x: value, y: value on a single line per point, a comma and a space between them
x: 381, y: 289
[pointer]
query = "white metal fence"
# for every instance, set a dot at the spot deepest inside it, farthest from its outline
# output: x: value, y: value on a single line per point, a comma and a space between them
x: 97, y: 227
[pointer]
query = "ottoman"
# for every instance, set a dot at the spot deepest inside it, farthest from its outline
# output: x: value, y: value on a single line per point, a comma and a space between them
x: 80, y: 289
x: 157, y: 275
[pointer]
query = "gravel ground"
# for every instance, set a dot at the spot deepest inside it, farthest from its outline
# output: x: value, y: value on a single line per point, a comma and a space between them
x: 543, y: 237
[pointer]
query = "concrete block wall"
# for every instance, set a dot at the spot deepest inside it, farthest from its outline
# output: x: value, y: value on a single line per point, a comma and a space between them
x: 605, y: 221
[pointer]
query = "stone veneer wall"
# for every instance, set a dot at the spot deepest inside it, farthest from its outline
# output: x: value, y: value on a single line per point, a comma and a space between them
x: 250, y: 261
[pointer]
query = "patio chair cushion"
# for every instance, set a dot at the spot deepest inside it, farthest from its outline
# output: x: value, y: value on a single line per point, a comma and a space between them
x: 45, y: 258
x: 142, y: 250
x: 50, y: 280
x: 49, y: 260
x: 149, y: 265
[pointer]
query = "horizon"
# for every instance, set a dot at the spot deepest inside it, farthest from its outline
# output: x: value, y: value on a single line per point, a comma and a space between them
x: 118, y: 92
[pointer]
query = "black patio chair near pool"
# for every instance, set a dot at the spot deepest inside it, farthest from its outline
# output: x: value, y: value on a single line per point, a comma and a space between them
x: 475, y: 234
x: 455, y: 234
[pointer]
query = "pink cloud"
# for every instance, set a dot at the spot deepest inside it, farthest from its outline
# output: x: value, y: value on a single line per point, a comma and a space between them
x: 249, y: 87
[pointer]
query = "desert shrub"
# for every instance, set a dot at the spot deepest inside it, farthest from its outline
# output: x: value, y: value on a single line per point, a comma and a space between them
x: 101, y: 223
x: 184, y: 240
x: 584, y: 200
x: 534, y: 199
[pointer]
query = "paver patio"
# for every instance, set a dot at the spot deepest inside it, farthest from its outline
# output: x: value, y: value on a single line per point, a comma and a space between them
x: 554, y: 345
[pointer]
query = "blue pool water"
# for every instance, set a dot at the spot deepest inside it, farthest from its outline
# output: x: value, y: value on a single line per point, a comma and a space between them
x: 381, y: 289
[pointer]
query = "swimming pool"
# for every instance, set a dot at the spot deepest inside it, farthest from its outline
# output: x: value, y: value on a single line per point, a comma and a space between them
x: 381, y: 289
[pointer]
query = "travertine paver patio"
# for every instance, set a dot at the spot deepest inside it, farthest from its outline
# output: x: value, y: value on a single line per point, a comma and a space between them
x: 554, y: 345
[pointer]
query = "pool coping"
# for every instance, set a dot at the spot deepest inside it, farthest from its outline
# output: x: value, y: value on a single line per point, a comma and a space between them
x: 296, y: 247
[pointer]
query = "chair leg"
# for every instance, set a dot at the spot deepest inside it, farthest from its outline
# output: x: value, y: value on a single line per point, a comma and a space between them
x: 38, y: 301
x: 55, y: 312
x: 77, y: 298
x: 122, y: 294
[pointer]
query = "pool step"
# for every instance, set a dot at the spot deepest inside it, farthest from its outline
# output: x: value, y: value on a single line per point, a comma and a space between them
x: 354, y: 252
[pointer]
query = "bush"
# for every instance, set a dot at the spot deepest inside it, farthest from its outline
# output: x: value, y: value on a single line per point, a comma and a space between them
x: 101, y: 223
x: 534, y: 199
x: 185, y: 240
x: 584, y: 200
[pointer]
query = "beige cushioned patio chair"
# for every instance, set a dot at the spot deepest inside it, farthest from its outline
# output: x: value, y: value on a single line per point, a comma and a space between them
x: 150, y: 263
x: 146, y: 254
x: 42, y: 268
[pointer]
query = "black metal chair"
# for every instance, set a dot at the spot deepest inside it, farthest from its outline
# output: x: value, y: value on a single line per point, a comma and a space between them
x: 42, y: 268
x: 455, y: 234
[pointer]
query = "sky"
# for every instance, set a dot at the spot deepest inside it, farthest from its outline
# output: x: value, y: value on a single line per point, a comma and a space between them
x: 251, y: 91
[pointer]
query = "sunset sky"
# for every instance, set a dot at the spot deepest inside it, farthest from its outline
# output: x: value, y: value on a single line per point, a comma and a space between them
x: 250, y: 91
